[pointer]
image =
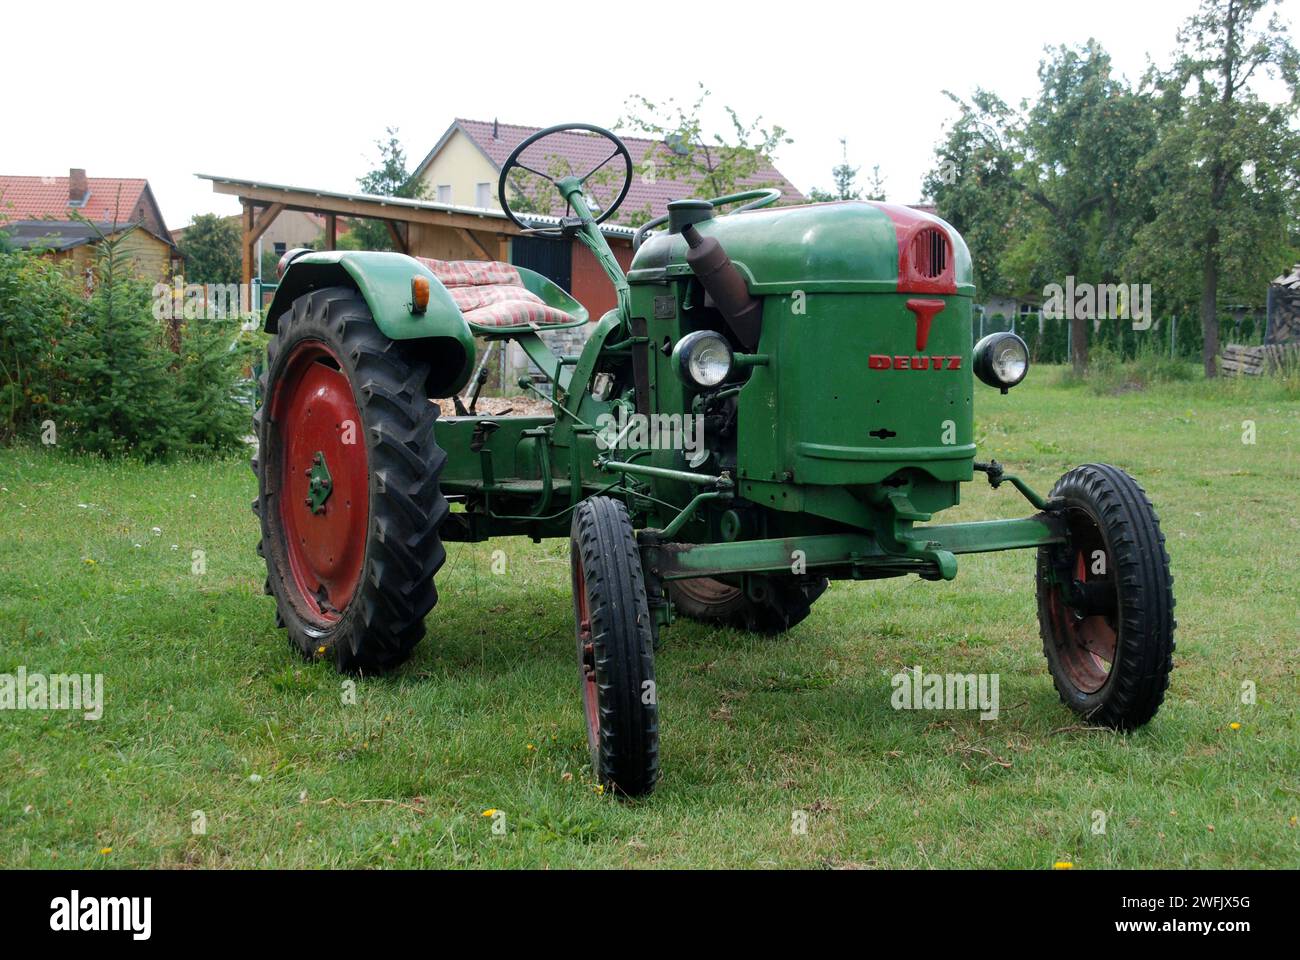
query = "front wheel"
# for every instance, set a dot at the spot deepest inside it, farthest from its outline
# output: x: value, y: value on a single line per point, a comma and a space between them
x: 1106, y: 600
x: 615, y: 648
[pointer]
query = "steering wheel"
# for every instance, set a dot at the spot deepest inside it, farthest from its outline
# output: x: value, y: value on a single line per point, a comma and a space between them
x: 620, y: 150
x: 757, y: 198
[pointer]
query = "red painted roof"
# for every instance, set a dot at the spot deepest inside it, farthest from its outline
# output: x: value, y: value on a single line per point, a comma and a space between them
x: 584, y: 151
x: 36, y: 198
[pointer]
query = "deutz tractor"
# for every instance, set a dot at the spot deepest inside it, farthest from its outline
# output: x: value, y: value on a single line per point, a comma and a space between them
x: 824, y: 353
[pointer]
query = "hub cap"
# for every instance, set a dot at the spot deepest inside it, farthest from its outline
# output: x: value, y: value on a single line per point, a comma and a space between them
x: 324, y: 500
x: 1085, y: 628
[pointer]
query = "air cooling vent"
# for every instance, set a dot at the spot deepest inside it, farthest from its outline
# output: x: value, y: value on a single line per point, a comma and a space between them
x: 930, y: 253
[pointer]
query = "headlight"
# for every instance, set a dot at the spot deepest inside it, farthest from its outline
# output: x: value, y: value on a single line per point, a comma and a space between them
x: 1001, y: 360
x: 703, y: 358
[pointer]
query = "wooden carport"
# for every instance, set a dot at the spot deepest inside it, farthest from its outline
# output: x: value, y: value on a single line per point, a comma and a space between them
x: 415, y: 226
x: 421, y: 228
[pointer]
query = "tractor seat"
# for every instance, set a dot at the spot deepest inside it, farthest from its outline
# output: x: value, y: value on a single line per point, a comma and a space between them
x: 495, y: 298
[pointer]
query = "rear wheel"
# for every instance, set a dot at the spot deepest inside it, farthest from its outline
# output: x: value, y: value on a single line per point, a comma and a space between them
x: 764, y: 605
x: 1106, y: 601
x: 348, y: 496
x: 615, y: 647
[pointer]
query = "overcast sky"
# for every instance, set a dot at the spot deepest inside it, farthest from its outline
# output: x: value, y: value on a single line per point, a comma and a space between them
x: 297, y: 93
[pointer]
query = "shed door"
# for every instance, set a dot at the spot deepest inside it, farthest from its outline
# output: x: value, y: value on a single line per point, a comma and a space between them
x: 553, y: 259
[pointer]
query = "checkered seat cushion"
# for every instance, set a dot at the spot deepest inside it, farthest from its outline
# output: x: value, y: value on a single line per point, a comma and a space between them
x: 491, y: 294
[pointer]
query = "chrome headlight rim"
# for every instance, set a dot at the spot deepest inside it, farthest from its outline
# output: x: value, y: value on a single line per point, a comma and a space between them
x: 985, y: 353
x: 691, y: 348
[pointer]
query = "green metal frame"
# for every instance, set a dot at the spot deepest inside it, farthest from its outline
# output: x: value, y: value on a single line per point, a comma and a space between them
x: 857, y: 552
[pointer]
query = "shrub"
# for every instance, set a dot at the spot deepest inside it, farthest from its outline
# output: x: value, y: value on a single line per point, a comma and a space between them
x: 214, y: 402
x: 114, y: 379
x: 1290, y: 375
x: 210, y: 246
x: 38, y: 302
x: 1108, y: 372
x: 1153, y: 365
x: 118, y: 397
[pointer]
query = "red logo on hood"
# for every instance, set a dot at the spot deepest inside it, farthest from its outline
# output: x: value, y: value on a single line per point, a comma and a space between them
x: 883, y: 361
x: 925, y: 311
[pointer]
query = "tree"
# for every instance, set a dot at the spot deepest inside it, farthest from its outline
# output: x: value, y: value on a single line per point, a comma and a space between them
x: 350, y: 239
x: 1187, y: 182
x: 973, y: 185
x: 1047, y: 192
x: 206, y: 378
x: 1084, y: 136
x: 844, y: 175
x: 1228, y: 164
x: 719, y: 164
x: 119, y: 396
x: 210, y: 246
x: 876, y: 189
x: 39, y: 300
x: 389, y: 178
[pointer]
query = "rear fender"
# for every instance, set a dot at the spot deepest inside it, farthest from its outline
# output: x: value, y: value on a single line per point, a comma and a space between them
x: 384, y: 282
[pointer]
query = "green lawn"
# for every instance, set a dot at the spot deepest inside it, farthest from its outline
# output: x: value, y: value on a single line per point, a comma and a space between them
x: 208, y: 710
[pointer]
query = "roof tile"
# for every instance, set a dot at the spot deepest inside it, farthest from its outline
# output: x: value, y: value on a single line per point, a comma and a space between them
x: 584, y: 151
x: 34, y: 198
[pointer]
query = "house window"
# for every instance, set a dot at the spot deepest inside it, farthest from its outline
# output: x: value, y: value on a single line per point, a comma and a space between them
x: 483, y: 195
x: 444, y: 193
x: 279, y: 248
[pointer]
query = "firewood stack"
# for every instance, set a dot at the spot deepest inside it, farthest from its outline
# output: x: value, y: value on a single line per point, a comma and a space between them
x: 1282, y: 339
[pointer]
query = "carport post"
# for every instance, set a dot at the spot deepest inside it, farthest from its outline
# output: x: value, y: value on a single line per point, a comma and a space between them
x: 246, y: 253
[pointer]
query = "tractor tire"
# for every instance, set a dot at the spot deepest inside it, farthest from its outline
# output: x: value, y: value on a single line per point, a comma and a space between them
x: 615, y: 648
x: 1106, y: 600
x: 347, y: 485
x: 785, y: 602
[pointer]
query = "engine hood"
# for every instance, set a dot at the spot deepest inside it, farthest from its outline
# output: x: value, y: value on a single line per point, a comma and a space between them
x: 850, y: 246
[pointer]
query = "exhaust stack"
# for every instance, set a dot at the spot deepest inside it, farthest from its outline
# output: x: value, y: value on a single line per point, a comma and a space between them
x: 725, y: 285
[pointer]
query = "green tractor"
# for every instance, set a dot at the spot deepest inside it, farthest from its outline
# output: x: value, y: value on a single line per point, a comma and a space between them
x: 782, y: 396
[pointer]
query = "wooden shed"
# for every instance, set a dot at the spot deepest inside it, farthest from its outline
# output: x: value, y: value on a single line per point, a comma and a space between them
x: 425, y: 228
x: 150, y: 256
x: 1281, y: 344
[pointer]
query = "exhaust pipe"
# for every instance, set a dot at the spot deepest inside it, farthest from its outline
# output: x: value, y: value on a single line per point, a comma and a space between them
x: 725, y: 285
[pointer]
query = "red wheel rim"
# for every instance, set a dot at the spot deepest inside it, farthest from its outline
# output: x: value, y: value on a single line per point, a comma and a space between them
x: 586, y: 654
x: 1085, y: 644
x: 314, y: 412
